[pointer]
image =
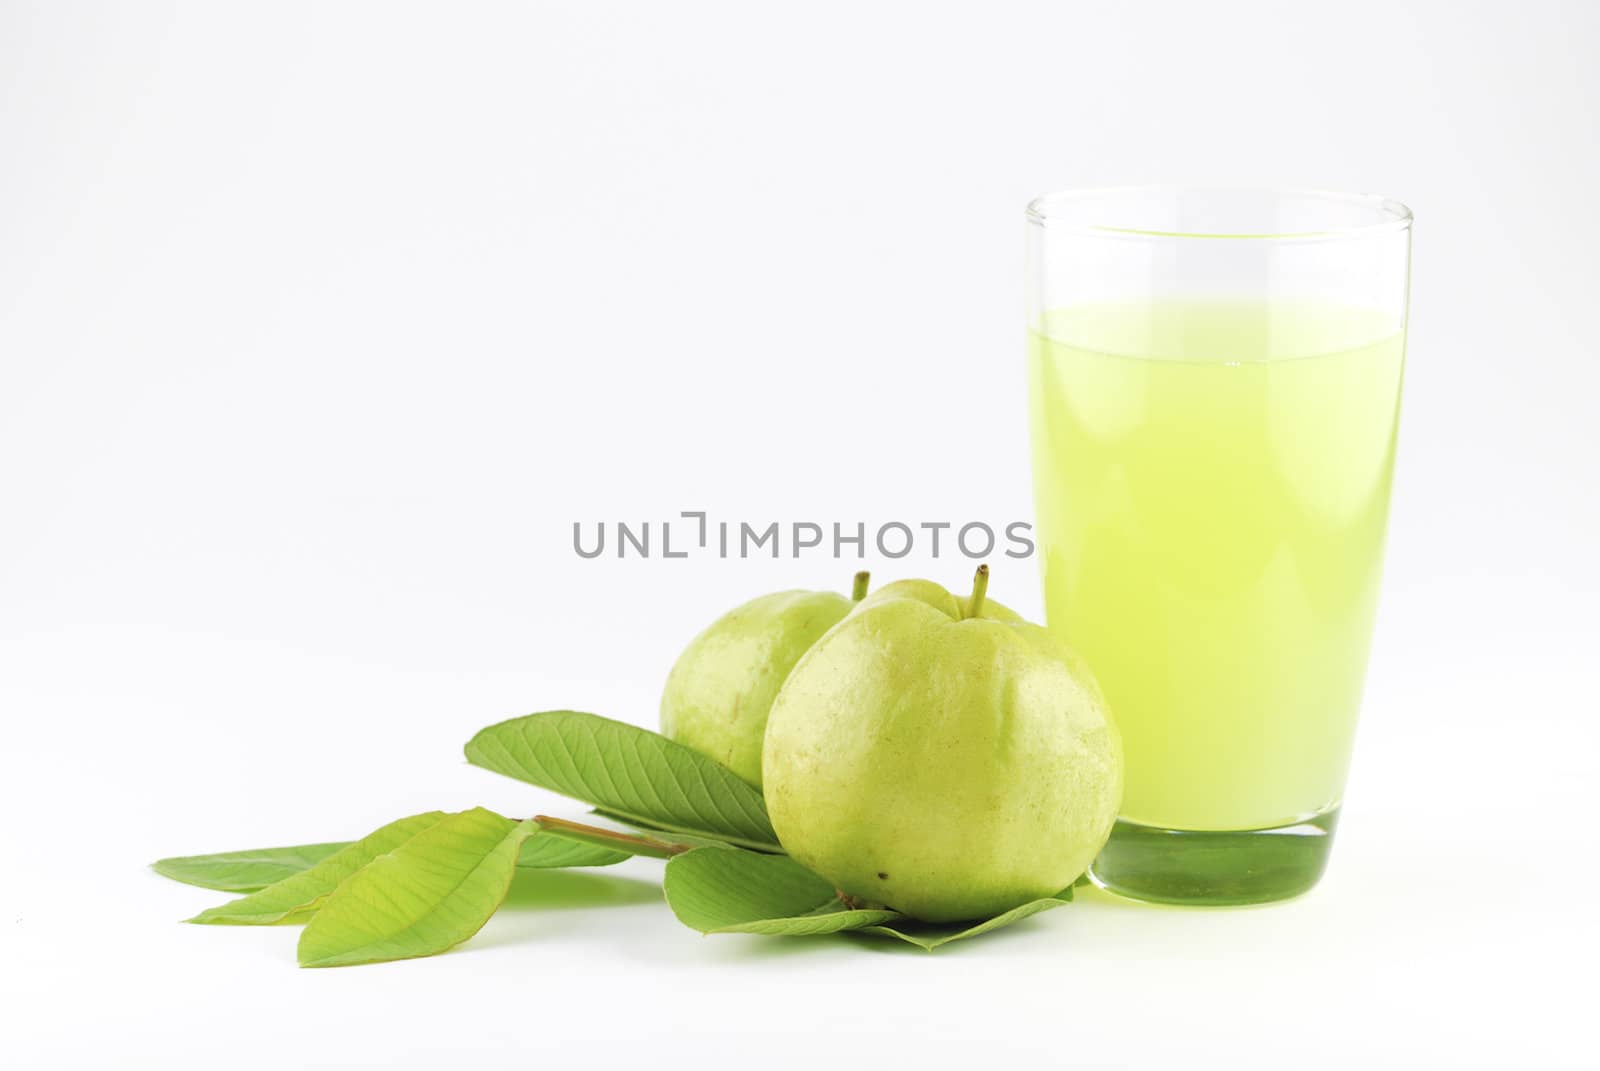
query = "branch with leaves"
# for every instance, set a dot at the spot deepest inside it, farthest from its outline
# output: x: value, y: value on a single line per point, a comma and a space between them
x: 424, y: 884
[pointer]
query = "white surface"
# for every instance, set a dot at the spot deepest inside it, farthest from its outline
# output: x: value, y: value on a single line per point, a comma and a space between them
x: 320, y: 324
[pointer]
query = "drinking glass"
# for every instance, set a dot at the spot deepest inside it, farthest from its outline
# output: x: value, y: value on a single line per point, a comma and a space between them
x: 1214, y: 383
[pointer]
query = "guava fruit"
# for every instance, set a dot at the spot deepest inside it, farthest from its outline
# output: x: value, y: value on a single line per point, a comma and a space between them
x: 941, y: 756
x: 718, y: 692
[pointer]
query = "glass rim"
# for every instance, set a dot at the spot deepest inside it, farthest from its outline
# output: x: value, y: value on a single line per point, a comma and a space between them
x: 1390, y: 216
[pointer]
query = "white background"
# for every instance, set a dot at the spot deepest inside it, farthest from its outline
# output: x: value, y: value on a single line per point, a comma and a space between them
x: 321, y: 323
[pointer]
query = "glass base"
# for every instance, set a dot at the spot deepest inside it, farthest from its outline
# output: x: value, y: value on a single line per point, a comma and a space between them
x: 1180, y: 866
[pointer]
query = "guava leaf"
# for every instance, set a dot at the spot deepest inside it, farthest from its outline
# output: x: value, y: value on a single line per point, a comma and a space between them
x: 626, y: 771
x: 931, y: 935
x: 429, y: 894
x: 727, y: 890
x: 693, y: 840
x: 255, y: 868
x: 650, y: 845
x: 546, y: 852
x: 307, y: 889
x: 245, y: 871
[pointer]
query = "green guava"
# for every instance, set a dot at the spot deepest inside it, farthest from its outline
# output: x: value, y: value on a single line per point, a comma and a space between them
x: 942, y: 756
x: 718, y: 692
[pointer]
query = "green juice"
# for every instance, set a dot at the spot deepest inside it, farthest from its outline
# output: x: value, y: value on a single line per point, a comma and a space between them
x: 1212, y: 485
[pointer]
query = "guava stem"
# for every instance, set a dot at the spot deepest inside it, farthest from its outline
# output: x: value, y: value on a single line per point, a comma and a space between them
x: 980, y: 587
x: 859, y: 591
x: 610, y: 838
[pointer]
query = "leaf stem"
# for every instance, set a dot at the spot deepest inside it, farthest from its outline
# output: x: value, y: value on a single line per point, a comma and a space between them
x: 980, y: 586
x: 609, y: 838
x: 767, y: 847
x: 859, y: 591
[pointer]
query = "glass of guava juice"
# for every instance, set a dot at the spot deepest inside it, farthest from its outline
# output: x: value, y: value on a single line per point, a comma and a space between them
x: 1214, y: 384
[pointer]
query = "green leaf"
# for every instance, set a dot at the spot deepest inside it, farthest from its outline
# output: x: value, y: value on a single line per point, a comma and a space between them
x: 429, y: 894
x: 691, y: 839
x: 255, y: 868
x: 626, y: 771
x: 931, y: 935
x: 651, y: 845
x: 298, y: 892
x: 726, y: 890
x: 551, y: 853
x: 245, y: 871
